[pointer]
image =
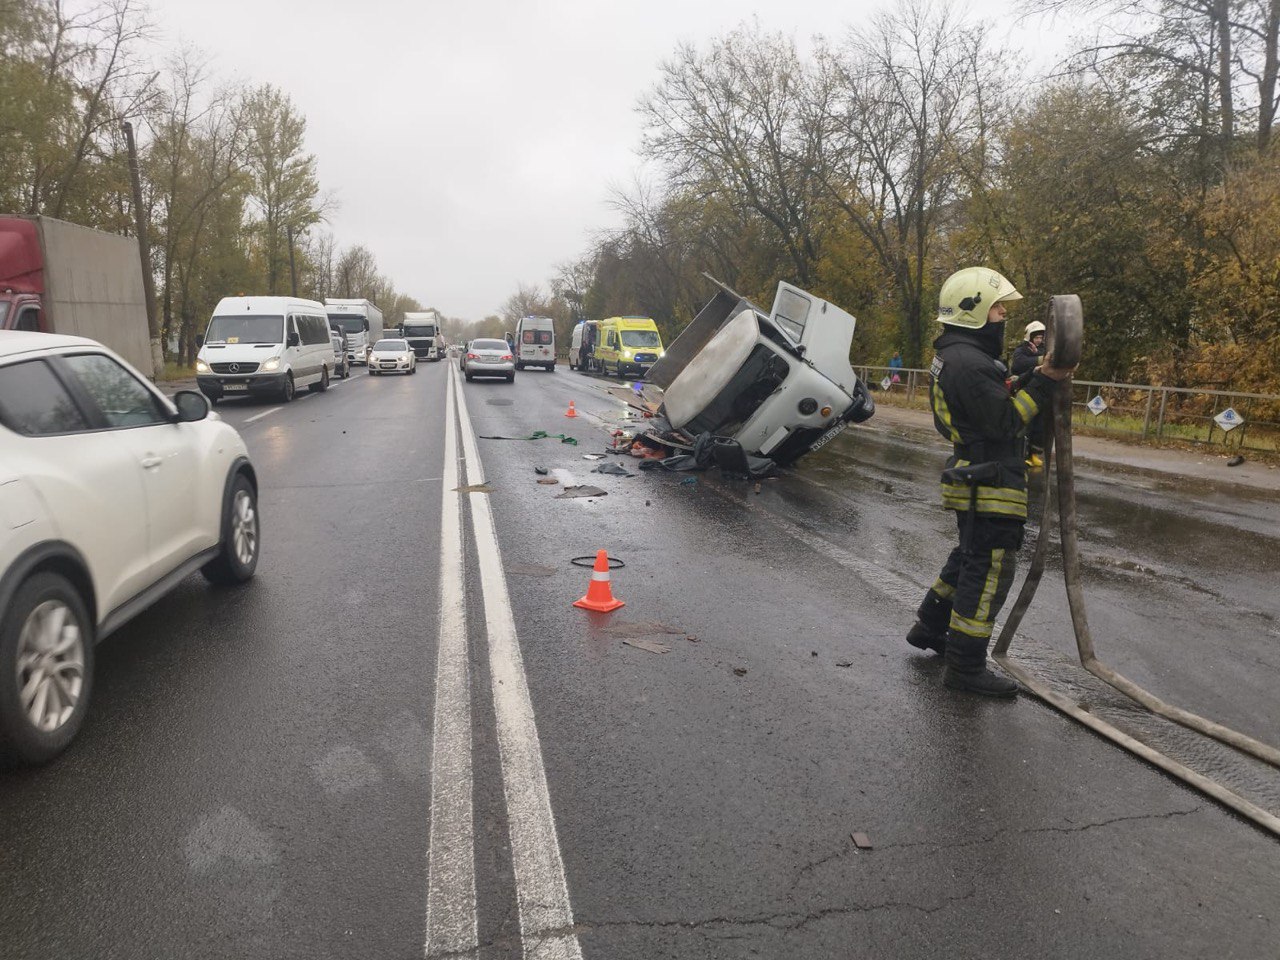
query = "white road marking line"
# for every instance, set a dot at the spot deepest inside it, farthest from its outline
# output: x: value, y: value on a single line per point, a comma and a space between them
x: 264, y: 413
x: 277, y: 409
x: 542, y: 894
x: 451, y: 882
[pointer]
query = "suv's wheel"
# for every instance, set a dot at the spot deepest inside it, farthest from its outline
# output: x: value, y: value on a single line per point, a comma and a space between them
x: 46, y: 669
x: 237, y: 557
x: 323, y: 385
x: 288, y: 390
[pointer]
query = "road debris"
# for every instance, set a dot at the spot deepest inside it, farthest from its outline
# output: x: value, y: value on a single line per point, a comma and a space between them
x: 639, y: 628
x: 861, y: 841
x: 689, y: 482
x: 541, y: 471
x: 593, y: 456
x: 613, y: 470
x: 694, y: 639
x: 650, y: 645
x: 844, y: 663
x: 573, y: 493
x: 474, y: 488
x: 539, y: 435
x: 548, y: 481
x: 739, y: 671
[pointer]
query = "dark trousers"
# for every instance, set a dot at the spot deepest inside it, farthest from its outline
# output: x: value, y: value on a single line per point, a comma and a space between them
x: 1035, y: 434
x: 972, y: 587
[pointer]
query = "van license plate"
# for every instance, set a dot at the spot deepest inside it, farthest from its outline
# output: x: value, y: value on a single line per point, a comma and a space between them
x: 830, y: 435
x: 234, y: 386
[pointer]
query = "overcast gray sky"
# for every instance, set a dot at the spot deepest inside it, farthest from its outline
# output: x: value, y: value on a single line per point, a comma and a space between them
x: 472, y: 146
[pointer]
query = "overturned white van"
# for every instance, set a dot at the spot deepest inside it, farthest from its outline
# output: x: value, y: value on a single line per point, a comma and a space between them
x: 779, y: 383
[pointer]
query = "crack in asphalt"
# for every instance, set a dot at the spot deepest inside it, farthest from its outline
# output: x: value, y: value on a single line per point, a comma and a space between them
x: 999, y: 834
x: 784, y: 922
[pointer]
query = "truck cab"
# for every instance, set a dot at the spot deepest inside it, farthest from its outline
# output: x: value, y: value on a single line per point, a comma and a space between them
x: 423, y: 334
x: 779, y: 383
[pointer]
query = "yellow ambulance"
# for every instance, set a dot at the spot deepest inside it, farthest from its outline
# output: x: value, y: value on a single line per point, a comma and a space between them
x: 627, y: 346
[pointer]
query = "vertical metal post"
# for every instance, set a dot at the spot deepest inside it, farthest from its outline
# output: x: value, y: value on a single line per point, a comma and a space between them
x: 144, y: 251
x: 1164, y: 399
x: 1146, y: 419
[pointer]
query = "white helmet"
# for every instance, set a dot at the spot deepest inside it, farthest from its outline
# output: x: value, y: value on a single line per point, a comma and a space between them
x: 1034, y: 327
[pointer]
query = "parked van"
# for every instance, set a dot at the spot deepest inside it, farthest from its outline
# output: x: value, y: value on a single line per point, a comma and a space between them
x: 535, y: 344
x: 264, y: 346
x: 582, y: 344
x: 627, y: 346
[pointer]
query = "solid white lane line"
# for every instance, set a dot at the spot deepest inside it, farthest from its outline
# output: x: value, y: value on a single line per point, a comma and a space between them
x: 546, y: 915
x: 451, y: 881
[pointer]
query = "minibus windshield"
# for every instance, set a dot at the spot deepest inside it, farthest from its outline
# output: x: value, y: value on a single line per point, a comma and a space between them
x: 246, y: 329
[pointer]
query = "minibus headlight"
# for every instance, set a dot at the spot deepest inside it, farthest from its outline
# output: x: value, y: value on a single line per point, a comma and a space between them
x: 201, y: 366
x: 271, y: 365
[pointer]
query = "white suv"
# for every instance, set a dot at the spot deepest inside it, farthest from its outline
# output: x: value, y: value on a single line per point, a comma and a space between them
x: 110, y: 495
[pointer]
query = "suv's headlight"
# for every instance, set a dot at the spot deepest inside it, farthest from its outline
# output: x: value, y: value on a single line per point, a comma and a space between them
x: 201, y: 367
x: 272, y: 365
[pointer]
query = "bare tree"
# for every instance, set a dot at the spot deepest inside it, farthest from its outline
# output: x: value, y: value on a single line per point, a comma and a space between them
x: 902, y: 104
x: 730, y: 122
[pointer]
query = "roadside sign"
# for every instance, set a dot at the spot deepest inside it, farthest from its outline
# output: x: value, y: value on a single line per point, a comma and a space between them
x: 1228, y: 419
x: 886, y: 383
x: 1097, y: 405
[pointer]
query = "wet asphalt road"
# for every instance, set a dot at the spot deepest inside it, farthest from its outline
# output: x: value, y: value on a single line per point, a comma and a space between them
x: 254, y: 779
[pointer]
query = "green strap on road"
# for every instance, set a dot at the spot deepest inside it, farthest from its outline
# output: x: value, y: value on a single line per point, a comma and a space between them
x: 540, y: 435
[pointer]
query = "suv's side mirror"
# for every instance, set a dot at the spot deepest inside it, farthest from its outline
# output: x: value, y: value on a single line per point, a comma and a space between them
x: 192, y: 406
x: 293, y: 339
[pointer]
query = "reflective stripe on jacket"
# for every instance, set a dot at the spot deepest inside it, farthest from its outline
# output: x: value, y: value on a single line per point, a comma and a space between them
x: 973, y: 409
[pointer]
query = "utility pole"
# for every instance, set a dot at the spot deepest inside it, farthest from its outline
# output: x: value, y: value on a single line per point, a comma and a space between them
x: 144, y: 249
x: 293, y: 267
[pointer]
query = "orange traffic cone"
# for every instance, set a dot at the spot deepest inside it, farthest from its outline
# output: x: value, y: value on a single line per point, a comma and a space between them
x: 571, y: 412
x: 600, y: 595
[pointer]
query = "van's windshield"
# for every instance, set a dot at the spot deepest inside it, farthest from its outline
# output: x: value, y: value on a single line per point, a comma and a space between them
x: 348, y: 323
x: 246, y: 329
x: 640, y: 338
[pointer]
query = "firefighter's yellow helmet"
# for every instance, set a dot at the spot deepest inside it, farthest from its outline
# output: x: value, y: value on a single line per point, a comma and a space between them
x: 968, y: 294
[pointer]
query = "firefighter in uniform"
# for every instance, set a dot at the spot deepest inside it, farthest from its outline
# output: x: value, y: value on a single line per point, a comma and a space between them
x: 1024, y: 360
x: 985, y: 479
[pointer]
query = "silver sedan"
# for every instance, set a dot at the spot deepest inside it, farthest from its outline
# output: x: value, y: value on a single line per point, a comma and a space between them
x: 489, y: 358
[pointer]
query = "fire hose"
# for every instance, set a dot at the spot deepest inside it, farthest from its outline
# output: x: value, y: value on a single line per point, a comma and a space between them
x: 1064, y: 344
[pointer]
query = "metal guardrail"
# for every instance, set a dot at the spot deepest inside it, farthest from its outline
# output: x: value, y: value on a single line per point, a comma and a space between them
x: 1137, y: 410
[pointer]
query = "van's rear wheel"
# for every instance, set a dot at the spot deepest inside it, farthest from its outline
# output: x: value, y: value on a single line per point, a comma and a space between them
x: 323, y: 385
x: 46, y: 669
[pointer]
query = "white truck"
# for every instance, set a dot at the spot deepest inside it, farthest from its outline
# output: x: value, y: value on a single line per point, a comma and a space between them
x: 59, y: 277
x: 360, y: 322
x: 778, y: 382
x: 422, y: 330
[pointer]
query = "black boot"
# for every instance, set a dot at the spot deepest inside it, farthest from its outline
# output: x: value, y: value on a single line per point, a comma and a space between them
x: 925, y: 639
x: 930, y: 630
x: 967, y: 669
